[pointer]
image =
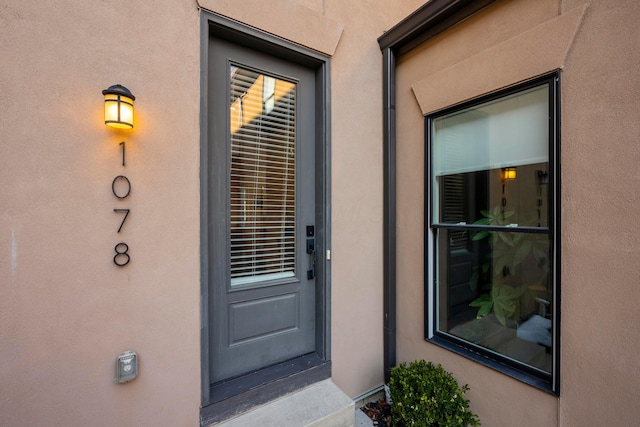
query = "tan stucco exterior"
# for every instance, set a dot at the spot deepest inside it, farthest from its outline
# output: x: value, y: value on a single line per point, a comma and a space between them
x: 66, y: 311
x: 594, y: 46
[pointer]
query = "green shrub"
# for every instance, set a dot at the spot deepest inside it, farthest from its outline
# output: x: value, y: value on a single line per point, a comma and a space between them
x: 425, y: 395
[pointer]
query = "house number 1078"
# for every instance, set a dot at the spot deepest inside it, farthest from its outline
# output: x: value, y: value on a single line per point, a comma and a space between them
x: 121, y: 188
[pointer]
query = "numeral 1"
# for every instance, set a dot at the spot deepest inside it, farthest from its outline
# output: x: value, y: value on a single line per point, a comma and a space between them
x: 123, y: 144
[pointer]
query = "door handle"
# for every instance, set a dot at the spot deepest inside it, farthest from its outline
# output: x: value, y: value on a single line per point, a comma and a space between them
x: 311, y: 250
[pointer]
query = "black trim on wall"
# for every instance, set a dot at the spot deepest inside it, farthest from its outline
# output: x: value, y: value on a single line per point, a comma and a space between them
x: 425, y: 23
x: 389, y: 216
x: 554, y: 134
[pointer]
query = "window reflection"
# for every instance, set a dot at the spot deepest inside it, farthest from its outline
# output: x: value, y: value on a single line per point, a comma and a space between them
x: 494, y: 291
x: 471, y: 197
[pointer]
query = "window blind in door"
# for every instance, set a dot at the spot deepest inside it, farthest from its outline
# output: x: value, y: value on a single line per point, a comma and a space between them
x: 262, y: 177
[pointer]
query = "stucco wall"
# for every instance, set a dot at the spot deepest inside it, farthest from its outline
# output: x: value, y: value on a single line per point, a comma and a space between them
x: 600, y: 248
x: 66, y: 310
x: 601, y: 243
x: 356, y: 98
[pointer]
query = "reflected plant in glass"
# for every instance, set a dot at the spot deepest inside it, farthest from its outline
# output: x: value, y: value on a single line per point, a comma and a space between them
x: 508, y: 272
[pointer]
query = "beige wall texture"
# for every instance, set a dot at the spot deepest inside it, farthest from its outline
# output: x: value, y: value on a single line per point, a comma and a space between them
x: 600, y: 88
x: 356, y: 110
x: 66, y: 310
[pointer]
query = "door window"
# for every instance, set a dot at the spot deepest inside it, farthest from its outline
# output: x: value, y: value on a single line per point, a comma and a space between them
x: 262, y: 112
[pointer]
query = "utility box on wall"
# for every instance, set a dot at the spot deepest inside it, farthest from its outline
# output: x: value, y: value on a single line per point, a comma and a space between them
x: 126, y: 367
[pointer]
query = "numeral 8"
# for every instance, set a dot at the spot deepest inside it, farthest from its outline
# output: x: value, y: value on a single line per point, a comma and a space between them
x: 120, y: 254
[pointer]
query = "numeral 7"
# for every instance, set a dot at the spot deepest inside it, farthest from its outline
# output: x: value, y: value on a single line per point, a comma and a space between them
x: 126, y: 212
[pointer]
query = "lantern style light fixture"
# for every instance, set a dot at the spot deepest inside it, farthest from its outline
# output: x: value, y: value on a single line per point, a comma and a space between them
x: 509, y: 173
x: 118, y: 107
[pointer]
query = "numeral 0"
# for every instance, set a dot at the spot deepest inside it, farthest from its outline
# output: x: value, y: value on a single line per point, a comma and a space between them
x: 120, y: 254
x: 113, y: 186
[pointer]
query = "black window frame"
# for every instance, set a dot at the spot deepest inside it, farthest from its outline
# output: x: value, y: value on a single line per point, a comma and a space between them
x: 518, y: 370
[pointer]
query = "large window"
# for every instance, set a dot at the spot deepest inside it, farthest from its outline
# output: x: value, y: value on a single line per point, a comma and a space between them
x: 491, y: 246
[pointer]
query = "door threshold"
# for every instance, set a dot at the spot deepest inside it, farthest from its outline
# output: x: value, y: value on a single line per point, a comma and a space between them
x: 232, y: 397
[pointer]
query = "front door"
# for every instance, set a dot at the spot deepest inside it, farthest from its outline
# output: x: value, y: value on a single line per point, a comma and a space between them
x: 261, y: 218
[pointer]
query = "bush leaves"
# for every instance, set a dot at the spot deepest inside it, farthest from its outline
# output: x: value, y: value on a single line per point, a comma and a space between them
x: 425, y: 395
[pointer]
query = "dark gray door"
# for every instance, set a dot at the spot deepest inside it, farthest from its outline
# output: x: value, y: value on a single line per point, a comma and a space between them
x: 261, y: 210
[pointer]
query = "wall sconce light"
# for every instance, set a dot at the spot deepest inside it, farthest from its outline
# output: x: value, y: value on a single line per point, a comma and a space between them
x: 508, y: 173
x: 118, y: 107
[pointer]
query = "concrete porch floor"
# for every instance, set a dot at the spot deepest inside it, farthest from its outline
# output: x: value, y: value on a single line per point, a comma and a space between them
x: 322, y: 404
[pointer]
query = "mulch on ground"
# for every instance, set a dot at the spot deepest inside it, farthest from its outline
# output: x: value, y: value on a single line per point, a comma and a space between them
x: 379, y: 412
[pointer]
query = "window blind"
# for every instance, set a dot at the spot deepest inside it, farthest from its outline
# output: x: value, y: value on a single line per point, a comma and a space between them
x: 511, y: 131
x: 262, y: 177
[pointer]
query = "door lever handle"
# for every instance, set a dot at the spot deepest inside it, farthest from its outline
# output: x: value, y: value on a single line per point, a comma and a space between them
x: 311, y: 250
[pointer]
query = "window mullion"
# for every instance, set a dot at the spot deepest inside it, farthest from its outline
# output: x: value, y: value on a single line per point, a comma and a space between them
x: 506, y: 229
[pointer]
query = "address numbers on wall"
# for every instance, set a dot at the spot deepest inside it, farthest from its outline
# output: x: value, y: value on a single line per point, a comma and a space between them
x: 121, y: 189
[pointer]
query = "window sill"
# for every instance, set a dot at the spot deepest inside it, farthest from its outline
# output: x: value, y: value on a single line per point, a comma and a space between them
x: 496, y: 365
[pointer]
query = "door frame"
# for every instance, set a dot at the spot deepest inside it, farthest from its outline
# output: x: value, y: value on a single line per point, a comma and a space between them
x: 214, y: 25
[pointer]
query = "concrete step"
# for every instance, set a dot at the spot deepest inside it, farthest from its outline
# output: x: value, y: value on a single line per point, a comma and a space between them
x: 362, y: 420
x: 322, y: 404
